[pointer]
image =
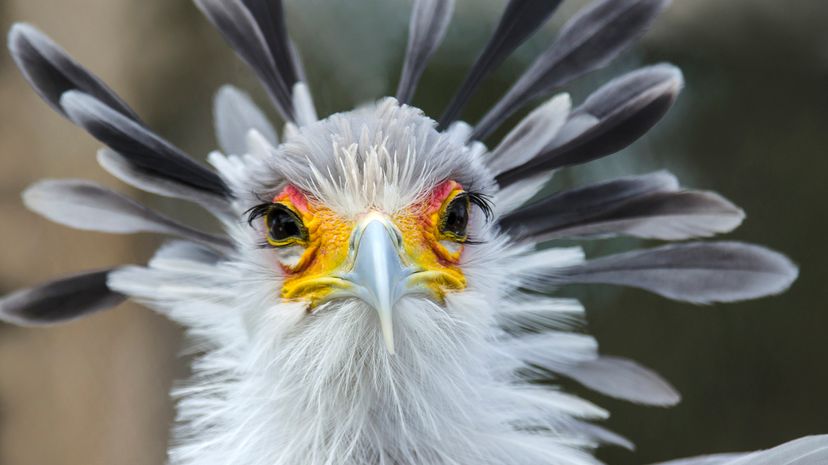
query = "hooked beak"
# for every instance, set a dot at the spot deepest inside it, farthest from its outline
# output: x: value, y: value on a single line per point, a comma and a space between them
x: 378, y: 272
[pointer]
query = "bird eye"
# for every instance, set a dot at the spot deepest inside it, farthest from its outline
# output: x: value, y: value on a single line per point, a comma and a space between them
x: 455, y: 218
x: 284, y: 227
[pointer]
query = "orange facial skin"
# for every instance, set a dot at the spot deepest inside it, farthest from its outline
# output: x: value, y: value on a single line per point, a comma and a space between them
x: 420, y: 227
x: 423, y: 241
x: 326, y: 252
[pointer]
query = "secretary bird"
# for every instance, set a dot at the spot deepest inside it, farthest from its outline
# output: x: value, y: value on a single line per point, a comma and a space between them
x: 381, y: 291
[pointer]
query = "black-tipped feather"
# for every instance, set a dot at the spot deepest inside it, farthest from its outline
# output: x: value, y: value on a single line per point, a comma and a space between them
x: 51, y: 71
x: 629, y: 87
x: 588, y: 41
x: 638, y: 206
x: 529, y: 137
x: 270, y: 16
x: 518, y: 22
x: 85, y: 205
x: 123, y: 169
x: 60, y: 300
x: 571, y: 206
x: 139, y: 145
x: 428, y: 25
x: 256, y: 31
x: 620, y: 112
x: 669, y: 216
x: 702, y: 272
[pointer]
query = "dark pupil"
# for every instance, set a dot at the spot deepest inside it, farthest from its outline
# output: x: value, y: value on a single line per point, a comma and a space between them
x: 457, y: 217
x: 282, y: 224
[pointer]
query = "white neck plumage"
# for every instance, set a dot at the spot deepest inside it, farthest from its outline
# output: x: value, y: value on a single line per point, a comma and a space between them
x: 330, y: 393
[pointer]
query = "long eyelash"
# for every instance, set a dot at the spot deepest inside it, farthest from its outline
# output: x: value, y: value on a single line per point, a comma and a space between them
x: 483, y: 202
x: 256, y: 212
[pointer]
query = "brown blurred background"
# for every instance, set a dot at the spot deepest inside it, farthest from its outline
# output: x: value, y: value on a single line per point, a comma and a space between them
x: 751, y: 124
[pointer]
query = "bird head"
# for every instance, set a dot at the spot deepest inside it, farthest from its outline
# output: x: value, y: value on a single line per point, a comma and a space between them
x: 376, y: 205
x: 379, y: 292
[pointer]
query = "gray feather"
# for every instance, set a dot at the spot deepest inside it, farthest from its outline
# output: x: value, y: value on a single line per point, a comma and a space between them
x: 531, y: 135
x: 533, y: 219
x: 669, y: 216
x: 270, y: 17
x: 256, y: 31
x: 59, y: 300
x: 303, y: 104
x: 520, y: 19
x: 634, y: 206
x: 588, y: 41
x: 139, y: 145
x: 809, y: 450
x: 186, y: 251
x: 429, y: 21
x: 122, y: 169
x: 578, y: 123
x: 533, y: 316
x: 716, y: 459
x: 629, y: 87
x: 602, y: 435
x: 624, y: 110
x: 51, y: 71
x: 85, y: 205
x: 298, y: 65
x: 624, y: 379
x: 516, y: 195
x: 698, y: 272
x: 234, y: 115
x: 54, y: 75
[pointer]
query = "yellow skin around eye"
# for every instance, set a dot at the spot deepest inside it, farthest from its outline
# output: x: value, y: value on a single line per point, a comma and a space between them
x: 326, y: 252
x: 421, y: 239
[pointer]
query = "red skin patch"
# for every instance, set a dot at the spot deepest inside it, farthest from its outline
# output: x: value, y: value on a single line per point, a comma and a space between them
x: 296, y: 197
x: 435, y: 200
x: 439, y: 194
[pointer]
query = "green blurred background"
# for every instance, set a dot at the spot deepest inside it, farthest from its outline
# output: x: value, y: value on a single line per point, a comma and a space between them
x: 752, y: 123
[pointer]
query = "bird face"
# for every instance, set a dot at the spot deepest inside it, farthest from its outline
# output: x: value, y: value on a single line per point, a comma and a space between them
x: 372, y: 207
x: 374, y: 255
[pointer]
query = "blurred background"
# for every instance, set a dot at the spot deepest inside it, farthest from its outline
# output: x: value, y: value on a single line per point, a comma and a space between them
x: 751, y: 124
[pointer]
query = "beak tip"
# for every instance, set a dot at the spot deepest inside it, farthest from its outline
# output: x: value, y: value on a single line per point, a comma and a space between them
x: 387, y: 331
